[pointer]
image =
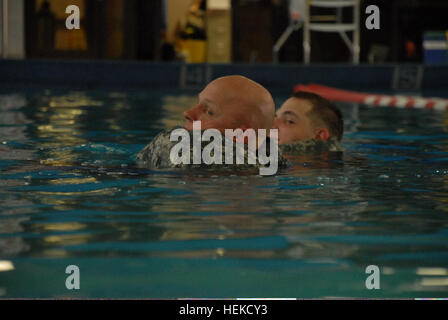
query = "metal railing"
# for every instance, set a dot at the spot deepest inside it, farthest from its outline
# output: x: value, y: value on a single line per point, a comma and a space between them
x: 300, y: 16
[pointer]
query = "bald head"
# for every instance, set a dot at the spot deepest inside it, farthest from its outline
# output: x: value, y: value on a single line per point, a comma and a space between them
x: 233, y: 102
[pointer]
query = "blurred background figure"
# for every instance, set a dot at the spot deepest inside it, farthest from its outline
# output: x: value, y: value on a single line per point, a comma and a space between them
x: 191, y: 34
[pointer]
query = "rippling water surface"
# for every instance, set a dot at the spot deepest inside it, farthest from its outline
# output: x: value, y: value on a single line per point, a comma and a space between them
x: 70, y: 194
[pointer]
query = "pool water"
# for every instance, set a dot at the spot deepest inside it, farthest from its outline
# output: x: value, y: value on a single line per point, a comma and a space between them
x: 71, y: 194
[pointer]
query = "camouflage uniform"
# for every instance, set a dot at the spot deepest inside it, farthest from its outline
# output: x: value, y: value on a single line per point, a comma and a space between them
x: 311, y: 146
x: 156, y: 155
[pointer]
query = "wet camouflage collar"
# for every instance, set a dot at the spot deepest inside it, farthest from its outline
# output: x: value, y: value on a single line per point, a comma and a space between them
x: 311, y: 146
x: 156, y: 155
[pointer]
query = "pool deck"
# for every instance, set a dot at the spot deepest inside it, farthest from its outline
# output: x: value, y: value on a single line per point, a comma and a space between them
x: 128, y: 75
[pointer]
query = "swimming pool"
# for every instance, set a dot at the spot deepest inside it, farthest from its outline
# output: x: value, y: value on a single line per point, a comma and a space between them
x: 70, y: 194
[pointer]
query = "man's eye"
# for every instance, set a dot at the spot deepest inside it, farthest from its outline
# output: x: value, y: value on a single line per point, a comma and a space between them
x: 209, y: 112
x: 290, y: 122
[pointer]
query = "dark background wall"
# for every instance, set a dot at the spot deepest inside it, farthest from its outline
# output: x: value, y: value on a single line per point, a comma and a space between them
x: 257, y: 24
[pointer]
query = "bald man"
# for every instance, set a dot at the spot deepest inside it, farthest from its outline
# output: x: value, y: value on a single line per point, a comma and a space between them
x: 231, y: 102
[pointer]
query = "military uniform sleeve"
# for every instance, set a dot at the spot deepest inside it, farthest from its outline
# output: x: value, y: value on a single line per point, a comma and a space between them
x: 156, y: 155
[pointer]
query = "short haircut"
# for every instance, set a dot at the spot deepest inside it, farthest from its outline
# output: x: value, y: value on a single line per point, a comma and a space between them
x: 323, y: 112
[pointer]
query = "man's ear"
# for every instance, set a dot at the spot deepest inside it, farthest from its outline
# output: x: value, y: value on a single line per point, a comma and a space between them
x: 322, y: 134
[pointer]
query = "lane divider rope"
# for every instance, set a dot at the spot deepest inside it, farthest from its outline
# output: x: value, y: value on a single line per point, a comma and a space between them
x: 397, y: 101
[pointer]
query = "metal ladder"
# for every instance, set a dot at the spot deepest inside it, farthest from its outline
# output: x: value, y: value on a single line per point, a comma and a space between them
x: 300, y: 17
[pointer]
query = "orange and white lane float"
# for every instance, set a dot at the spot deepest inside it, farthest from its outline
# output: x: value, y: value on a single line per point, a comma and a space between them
x: 370, y: 99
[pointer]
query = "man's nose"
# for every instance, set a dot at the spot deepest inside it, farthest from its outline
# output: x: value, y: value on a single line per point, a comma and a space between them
x: 192, y: 114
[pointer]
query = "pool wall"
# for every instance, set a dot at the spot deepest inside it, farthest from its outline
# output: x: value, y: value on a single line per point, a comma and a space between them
x: 149, y: 75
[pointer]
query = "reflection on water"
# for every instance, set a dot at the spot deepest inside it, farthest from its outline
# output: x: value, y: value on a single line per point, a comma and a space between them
x: 69, y: 190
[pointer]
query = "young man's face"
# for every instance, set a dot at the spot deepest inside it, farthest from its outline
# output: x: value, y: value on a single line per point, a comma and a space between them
x: 292, y: 121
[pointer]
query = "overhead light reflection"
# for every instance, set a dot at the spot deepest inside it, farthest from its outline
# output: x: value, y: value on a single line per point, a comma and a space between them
x: 388, y: 270
x: 432, y: 272
x: 6, y: 265
x: 434, y: 282
x: 220, y: 251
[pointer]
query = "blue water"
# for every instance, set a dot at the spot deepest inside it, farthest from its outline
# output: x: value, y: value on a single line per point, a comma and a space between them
x: 70, y: 194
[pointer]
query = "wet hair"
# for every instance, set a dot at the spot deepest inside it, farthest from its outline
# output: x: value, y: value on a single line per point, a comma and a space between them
x: 323, y: 112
